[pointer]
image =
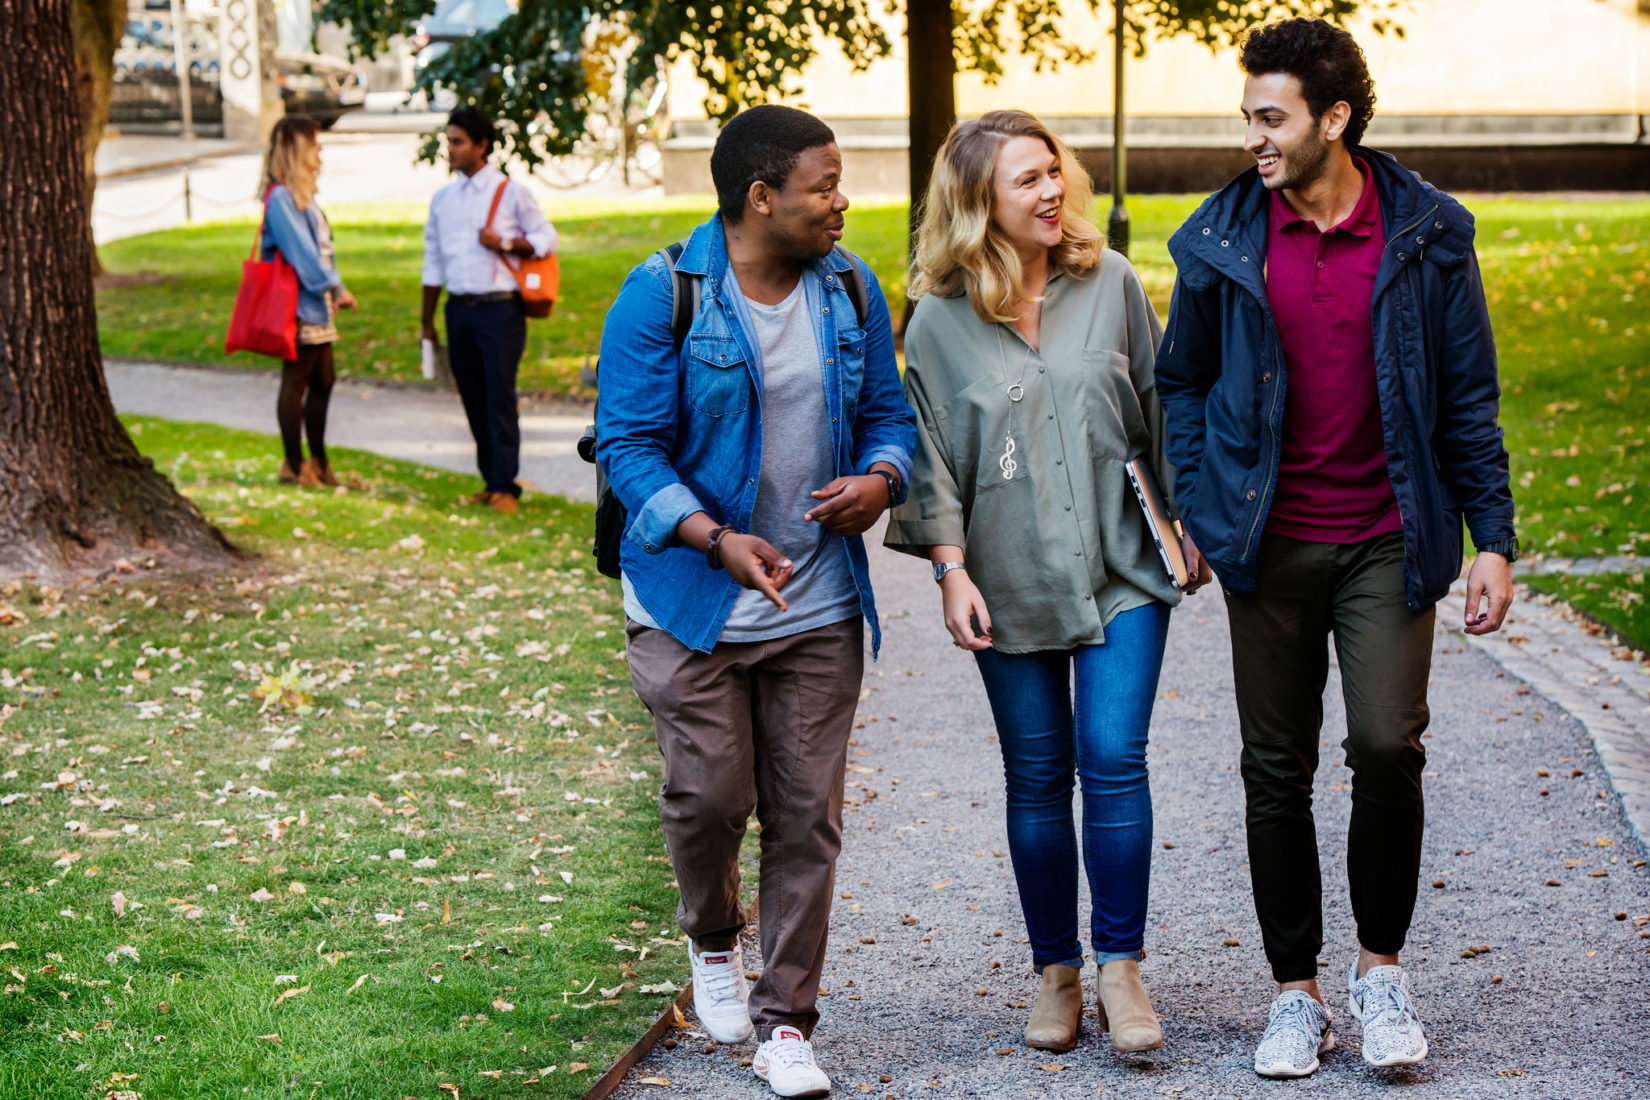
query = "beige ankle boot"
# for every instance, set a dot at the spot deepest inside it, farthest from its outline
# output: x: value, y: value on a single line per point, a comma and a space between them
x: 1057, y: 1019
x: 1125, y: 1010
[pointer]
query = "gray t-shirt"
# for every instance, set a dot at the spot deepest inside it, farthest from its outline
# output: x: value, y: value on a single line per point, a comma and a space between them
x: 796, y: 459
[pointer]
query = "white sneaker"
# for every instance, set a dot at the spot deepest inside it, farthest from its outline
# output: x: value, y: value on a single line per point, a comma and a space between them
x: 721, y: 997
x: 1298, y: 1031
x: 1392, y: 1030
x: 786, y: 1063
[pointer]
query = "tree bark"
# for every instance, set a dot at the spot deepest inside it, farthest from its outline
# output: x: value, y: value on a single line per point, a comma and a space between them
x: 76, y: 496
x: 97, y: 28
x: 931, y: 72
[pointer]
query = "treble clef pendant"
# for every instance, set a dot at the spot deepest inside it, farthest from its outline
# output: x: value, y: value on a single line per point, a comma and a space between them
x: 1007, y: 461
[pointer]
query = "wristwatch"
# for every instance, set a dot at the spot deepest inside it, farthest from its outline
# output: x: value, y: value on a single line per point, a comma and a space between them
x: 944, y: 567
x: 893, y: 484
x: 1507, y: 548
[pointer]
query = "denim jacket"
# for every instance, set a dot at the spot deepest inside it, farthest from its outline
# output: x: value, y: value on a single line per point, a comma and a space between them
x: 294, y: 233
x: 680, y: 430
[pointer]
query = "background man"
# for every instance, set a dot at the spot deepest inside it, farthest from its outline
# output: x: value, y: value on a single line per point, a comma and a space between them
x: 1333, y: 504
x: 486, y: 322
x: 750, y: 457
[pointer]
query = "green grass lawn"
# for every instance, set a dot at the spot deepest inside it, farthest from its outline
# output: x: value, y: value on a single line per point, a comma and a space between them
x: 371, y: 818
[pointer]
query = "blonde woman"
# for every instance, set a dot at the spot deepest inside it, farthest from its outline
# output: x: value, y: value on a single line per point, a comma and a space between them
x: 1029, y: 364
x: 295, y: 227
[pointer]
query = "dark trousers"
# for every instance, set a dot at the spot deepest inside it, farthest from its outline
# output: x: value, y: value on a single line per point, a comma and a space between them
x: 1305, y: 591
x: 484, y: 346
x: 757, y: 726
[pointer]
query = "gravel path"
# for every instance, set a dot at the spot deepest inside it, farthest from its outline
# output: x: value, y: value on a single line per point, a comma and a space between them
x: 946, y: 984
x: 937, y: 1002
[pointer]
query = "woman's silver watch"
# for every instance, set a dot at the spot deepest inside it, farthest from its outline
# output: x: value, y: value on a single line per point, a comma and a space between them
x: 943, y: 567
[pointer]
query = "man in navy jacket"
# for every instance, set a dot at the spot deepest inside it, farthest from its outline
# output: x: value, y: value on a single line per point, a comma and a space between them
x: 1329, y: 381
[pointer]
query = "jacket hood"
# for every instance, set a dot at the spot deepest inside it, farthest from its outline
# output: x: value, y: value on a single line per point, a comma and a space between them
x: 1238, y: 213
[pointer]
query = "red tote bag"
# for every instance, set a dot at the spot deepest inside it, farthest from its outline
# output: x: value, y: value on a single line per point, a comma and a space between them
x: 266, y: 308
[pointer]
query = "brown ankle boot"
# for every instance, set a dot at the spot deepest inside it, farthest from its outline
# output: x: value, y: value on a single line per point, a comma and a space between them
x: 1058, y: 1017
x: 308, y: 475
x: 1125, y: 1010
x: 287, y: 474
x: 323, y: 472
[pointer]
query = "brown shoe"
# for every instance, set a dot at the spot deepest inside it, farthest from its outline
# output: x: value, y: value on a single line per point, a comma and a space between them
x: 1058, y: 1016
x: 286, y: 473
x: 483, y: 497
x: 308, y: 476
x: 503, y: 503
x: 323, y: 473
x: 1125, y: 1010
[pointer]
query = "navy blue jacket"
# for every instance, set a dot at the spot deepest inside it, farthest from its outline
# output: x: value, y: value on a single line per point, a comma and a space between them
x: 1221, y: 377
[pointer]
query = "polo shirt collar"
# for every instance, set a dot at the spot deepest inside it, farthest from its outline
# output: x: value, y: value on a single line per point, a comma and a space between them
x: 1362, y: 222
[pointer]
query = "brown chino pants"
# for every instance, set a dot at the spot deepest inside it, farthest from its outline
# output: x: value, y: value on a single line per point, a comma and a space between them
x: 757, y: 726
x: 1304, y: 592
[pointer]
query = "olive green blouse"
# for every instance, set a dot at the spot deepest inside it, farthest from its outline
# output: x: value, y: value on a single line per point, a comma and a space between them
x: 1053, y: 537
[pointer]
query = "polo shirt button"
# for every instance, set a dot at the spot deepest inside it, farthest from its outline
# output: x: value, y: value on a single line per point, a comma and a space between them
x: 1077, y: 553
x: 1250, y: 494
x: 1068, y: 507
x: 1051, y: 416
x: 1042, y: 370
x: 1059, y: 462
x: 1088, y: 595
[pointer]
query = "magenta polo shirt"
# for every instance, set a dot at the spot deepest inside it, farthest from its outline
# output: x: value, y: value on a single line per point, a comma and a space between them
x: 1332, y: 478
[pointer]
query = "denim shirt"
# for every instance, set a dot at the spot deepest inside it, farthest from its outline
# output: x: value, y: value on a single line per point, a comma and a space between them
x: 294, y: 233
x: 680, y: 431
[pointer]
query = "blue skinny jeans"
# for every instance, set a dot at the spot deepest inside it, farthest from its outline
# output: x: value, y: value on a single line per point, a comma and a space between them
x: 1049, y: 736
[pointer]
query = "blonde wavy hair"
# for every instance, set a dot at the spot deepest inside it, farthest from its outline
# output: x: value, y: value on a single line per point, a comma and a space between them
x: 284, y: 160
x: 960, y: 250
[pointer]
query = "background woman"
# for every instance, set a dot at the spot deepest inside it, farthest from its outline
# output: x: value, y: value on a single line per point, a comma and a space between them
x: 1029, y: 363
x: 295, y: 226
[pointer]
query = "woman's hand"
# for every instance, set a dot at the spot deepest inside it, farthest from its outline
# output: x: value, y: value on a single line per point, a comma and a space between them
x: 346, y: 300
x: 1198, y: 572
x: 963, y: 607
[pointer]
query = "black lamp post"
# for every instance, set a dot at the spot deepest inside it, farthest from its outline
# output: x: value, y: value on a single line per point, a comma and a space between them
x: 1117, y: 225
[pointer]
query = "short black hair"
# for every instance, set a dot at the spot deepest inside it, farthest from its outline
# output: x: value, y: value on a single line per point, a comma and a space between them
x: 763, y: 143
x: 1324, y: 58
x: 476, y: 123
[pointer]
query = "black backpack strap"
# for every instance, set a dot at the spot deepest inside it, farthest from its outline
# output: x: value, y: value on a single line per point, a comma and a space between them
x: 684, y: 293
x: 854, y: 281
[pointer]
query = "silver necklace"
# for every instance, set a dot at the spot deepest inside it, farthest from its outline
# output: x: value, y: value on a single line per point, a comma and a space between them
x: 1016, y: 393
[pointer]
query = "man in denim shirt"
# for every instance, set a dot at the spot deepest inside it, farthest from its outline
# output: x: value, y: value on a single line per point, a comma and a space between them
x: 750, y: 459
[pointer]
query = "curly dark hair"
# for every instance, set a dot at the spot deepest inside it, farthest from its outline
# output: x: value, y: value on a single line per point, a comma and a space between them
x: 1326, y: 60
x: 477, y: 124
x: 763, y: 143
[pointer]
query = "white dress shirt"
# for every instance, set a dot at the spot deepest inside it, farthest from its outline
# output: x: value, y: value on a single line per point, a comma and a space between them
x: 453, y: 254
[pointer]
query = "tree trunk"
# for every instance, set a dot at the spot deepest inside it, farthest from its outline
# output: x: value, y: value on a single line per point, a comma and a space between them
x: 931, y: 72
x: 97, y: 28
x: 76, y: 496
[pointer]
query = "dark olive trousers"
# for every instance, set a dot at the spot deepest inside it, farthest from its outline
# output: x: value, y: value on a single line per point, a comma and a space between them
x: 1304, y: 593
x: 760, y: 726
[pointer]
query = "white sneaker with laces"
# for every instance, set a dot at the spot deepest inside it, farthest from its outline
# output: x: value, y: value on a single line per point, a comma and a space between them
x: 1298, y: 1031
x: 721, y: 997
x: 786, y: 1063
x: 1392, y: 1030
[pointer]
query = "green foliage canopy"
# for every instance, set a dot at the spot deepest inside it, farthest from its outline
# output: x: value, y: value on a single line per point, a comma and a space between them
x: 530, y: 72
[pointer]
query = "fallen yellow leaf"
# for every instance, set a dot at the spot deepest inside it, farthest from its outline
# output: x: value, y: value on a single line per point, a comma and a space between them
x: 270, y: 1038
x: 291, y: 993
x: 662, y: 1082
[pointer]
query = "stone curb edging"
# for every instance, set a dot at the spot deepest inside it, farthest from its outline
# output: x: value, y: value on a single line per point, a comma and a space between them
x: 1588, y: 677
x: 175, y: 162
x: 618, y: 1071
